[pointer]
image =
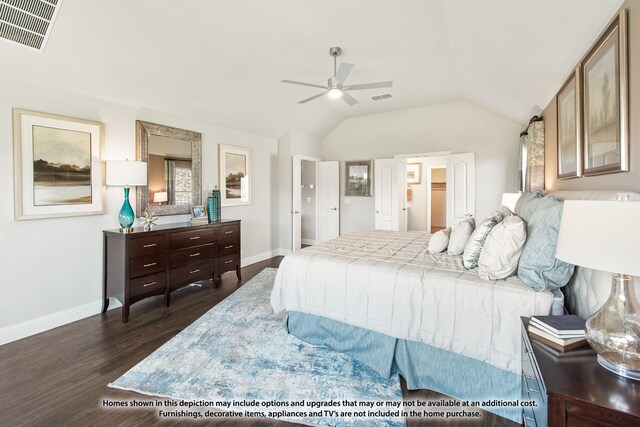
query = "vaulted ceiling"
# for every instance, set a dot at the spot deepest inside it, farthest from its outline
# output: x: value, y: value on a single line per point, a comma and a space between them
x: 222, y: 61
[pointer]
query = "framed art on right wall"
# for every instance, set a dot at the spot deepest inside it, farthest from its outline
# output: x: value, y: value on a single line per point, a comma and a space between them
x: 605, y: 95
x: 569, y: 133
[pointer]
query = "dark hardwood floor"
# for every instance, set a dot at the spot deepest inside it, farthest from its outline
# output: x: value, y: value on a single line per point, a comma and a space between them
x: 60, y: 377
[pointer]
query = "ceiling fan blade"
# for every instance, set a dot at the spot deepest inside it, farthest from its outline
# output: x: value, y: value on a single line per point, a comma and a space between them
x: 349, y: 99
x: 343, y: 72
x: 304, y: 101
x: 369, y: 86
x: 303, y: 84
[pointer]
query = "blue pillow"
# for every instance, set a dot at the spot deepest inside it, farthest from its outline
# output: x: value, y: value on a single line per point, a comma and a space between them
x: 525, y: 204
x: 539, y: 268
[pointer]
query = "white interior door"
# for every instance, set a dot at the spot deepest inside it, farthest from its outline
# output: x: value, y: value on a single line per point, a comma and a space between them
x: 328, y: 200
x: 460, y: 187
x: 390, y: 194
x: 296, y: 202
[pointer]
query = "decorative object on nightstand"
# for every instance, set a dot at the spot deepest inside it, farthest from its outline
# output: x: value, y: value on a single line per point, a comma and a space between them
x: 605, y: 236
x: 562, y: 333
x: 570, y: 389
x: 213, y: 205
x: 148, y: 220
x: 126, y: 173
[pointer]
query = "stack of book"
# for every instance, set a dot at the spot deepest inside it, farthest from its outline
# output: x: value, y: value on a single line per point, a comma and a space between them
x: 562, y: 333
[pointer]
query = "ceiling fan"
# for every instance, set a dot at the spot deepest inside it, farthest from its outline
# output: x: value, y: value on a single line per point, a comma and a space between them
x: 335, y: 87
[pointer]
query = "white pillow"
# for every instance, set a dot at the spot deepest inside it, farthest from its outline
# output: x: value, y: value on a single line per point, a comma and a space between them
x: 502, y: 249
x: 439, y: 241
x: 476, y: 241
x: 460, y: 233
x: 505, y: 212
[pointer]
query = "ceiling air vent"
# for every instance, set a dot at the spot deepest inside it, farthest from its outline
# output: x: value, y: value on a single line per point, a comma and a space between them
x: 28, y: 22
x: 380, y: 97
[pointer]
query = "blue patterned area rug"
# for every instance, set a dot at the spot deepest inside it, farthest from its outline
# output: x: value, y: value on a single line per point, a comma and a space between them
x: 241, y: 351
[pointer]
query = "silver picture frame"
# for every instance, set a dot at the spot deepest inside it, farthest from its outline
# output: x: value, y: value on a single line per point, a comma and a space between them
x: 605, y: 88
x: 569, y: 127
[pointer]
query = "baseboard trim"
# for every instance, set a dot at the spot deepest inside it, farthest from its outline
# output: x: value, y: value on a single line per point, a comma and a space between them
x: 259, y: 257
x: 308, y: 241
x: 51, y: 321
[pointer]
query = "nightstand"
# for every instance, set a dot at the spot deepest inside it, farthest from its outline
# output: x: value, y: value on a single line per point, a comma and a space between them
x: 572, y: 389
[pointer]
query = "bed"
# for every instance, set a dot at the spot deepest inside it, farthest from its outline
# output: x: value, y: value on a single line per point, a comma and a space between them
x: 380, y: 297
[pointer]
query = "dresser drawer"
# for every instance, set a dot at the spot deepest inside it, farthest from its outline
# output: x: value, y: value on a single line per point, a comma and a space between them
x: 145, y: 246
x: 190, y: 255
x: 187, y: 239
x: 227, y: 247
x: 227, y: 263
x: 151, y: 284
x: 147, y: 265
x: 227, y: 232
x: 190, y: 273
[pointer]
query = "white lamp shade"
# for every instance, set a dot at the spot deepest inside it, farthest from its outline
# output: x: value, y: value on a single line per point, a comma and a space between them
x: 509, y: 200
x: 126, y: 173
x: 601, y: 235
x: 160, y: 196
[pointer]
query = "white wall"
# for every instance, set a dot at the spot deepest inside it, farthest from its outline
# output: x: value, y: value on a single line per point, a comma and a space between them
x: 458, y: 127
x: 55, y: 265
x: 293, y: 142
x: 308, y: 201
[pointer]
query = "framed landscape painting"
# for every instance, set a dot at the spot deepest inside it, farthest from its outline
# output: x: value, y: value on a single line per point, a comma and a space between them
x: 414, y: 173
x: 358, y: 179
x: 605, y: 115
x: 58, y: 169
x: 234, y: 165
x: 569, y: 133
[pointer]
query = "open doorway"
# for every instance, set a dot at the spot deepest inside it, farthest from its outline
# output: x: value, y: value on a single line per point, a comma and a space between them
x: 426, y: 193
x: 308, y: 189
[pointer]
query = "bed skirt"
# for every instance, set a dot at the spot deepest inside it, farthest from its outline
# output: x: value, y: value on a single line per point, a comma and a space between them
x: 421, y: 365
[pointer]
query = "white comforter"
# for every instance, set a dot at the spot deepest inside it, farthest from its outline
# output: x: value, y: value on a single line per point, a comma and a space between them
x: 387, y: 282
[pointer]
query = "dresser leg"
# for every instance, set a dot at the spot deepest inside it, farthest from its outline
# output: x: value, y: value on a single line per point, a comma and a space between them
x: 167, y: 299
x: 105, y: 305
x: 217, y: 282
x: 125, y: 313
x: 238, y: 272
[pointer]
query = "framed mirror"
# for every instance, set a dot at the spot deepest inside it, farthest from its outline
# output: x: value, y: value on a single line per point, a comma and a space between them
x: 174, y: 165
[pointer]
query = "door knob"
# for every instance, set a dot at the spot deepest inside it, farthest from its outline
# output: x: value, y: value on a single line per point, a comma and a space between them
x: 296, y: 212
x: 377, y: 211
x: 404, y: 209
x: 334, y: 209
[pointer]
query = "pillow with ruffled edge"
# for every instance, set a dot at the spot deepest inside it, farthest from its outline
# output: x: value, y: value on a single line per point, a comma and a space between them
x: 460, y: 234
x: 526, y: 204
x: 538, y: 267
x: 439, y: 241
x: 502, y: 249
x: 476, y: 241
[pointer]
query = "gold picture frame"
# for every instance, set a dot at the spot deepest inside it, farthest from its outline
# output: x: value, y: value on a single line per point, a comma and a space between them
x: 414, y: 173
x: 569, y: 127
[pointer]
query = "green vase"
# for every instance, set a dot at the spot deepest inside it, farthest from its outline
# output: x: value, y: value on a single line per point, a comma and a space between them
x: 126, y: 216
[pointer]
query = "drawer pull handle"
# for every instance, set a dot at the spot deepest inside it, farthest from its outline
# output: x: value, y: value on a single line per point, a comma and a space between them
x: 526, y: 418
x: 228, y: 247
x: 150, y: 265
x: 149, y: 284
x: 228, y: 232
x: 196, y: 254
x: 532, y: 390
x: 529, y: 377
x: 227, y: 262
x: 194, y: 271
x: 150, y: 245
x: 194, y: 238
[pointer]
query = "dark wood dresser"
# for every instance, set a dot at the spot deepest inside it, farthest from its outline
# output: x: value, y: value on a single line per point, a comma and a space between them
x: 141, y: 263
x: 572, y: 389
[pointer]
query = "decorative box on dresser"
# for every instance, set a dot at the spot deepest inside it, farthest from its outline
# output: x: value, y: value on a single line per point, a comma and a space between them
x: 572, y: 389
x: 141, y: 264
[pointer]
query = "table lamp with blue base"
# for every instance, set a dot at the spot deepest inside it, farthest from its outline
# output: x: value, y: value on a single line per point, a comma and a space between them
x: 126, y: 173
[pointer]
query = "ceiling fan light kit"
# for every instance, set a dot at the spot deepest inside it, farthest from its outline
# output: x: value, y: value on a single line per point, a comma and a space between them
x: 335, y: 84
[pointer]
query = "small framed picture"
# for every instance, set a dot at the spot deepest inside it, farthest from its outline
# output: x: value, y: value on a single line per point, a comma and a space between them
x: 568, y: 104
x: 414, y: 173
x: 198, y: 213
x: 358, y: 178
